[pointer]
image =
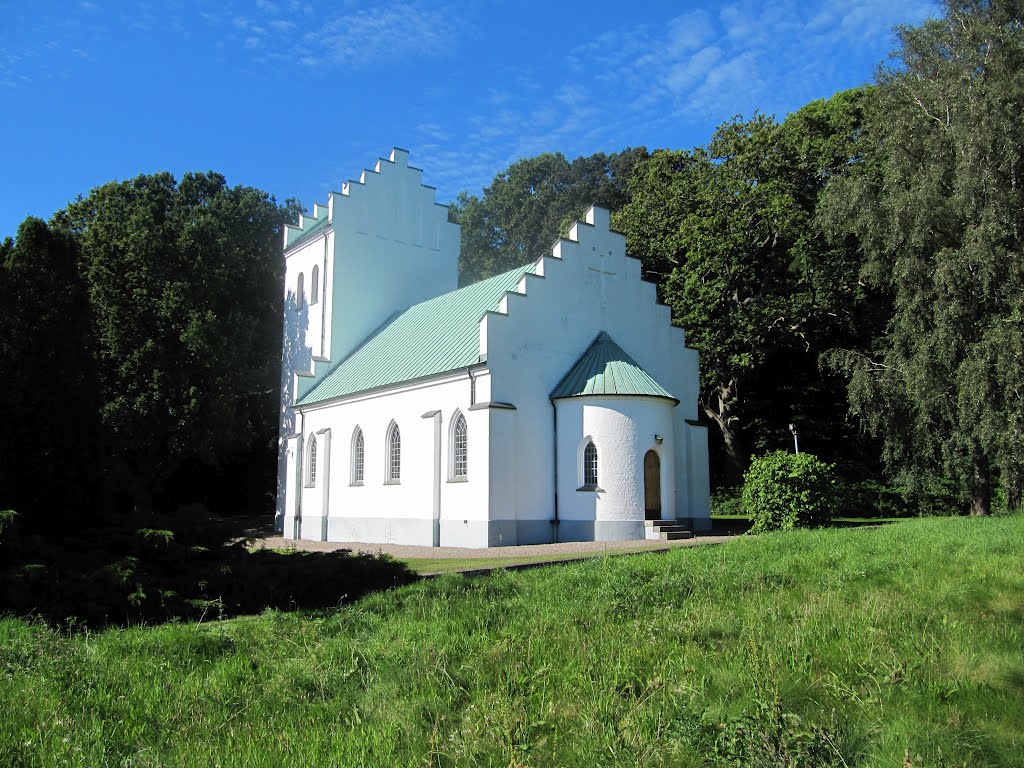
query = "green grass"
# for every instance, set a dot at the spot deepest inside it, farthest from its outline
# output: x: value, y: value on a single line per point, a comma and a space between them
x: 445, y: 564
x: 847, y: 647
x: 433, y: 565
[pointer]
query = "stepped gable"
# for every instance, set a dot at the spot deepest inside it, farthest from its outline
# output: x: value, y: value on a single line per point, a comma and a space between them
x: 323, y: 215
x: 448, y: 333
x: 429, y: 338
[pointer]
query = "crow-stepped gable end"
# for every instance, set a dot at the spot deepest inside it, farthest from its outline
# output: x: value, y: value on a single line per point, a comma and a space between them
x: 554, y: 402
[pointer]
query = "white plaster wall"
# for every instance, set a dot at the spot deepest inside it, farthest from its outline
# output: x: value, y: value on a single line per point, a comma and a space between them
x: 623, y: 430
x: 698, y: 473
x: 304, y: 325
x: 288, y: 479
x: 403, y: 513
x: 302, y: 334
x: 394, y: 247
x: 389, y: 246
x: 586, y: 286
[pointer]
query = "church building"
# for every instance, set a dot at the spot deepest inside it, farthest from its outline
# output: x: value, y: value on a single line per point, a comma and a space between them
x: 554, y: 402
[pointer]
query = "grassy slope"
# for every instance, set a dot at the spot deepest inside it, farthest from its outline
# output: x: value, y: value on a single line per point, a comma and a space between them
x: 881, y: 641
x: 434, y: 565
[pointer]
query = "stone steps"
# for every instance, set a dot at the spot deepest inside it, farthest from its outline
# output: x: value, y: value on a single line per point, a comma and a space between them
x: 667, y: 530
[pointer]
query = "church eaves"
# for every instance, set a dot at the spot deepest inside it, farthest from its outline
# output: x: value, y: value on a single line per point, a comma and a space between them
x: 430, y: 338
x: 606, y: 369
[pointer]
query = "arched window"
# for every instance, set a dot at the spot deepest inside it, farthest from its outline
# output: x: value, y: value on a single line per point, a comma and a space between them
x: 590, y: 465
x: 314, y: 285
x: 394, y: 459
x: 299, y: 292
x: 311, y: 462
x: 357, y: 457
x: 459, y: 447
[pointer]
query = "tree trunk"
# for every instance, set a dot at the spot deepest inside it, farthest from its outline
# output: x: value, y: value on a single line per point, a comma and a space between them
x: 1013, y: 489
x: 981, y: 489
x: 718, y: 408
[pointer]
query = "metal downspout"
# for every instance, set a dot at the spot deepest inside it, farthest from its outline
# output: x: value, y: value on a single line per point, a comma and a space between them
x: 554, y: 521
x: 325, y: 501
x: 436, y: 522
x: 437, y: 479
x: 299, y: 459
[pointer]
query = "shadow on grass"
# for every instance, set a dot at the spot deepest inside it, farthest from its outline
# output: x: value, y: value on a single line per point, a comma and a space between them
x: 729, y: 525
x: 189, y: 566
x: 860, y: 522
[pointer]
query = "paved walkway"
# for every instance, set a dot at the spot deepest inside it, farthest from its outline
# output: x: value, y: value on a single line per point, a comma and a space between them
x: 555, y: 551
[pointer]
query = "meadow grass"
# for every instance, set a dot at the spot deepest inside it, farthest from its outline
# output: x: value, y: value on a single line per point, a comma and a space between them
x: 435, y: 565
x: 892, y: 646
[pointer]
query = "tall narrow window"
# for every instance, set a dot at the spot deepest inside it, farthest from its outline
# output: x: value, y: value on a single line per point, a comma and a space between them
x: 590, y: 465
x: 394, y: 443
x: 459, y: 448
x: 300, y: 291
x: 311, y: 459
x: 357, y: 457
x: 314, y: 285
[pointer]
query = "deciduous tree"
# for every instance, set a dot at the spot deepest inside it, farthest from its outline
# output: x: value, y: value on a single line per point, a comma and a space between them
x: 938, y: 210
x: 48, y: 412
x: 184, y: 292
x: 727, y: 231
x: 528, y: 205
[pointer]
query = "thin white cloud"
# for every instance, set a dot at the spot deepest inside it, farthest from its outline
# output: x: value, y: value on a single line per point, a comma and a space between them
x: 330, y: 35
x: 693, y: 70
x: 767, y: 56
x: 700, y: 67
x: 689, y: 32
x: 364, y: 36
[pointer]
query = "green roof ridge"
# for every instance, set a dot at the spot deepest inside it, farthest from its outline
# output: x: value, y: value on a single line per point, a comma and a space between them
x: 301, y: 234
x: 433, y: 337
x: 606, y: 369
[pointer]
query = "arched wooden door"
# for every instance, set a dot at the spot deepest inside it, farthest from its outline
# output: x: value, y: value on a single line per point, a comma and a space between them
x: 652, y: 486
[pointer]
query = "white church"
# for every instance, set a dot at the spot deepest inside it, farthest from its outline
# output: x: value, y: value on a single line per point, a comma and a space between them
x: 555, y: 402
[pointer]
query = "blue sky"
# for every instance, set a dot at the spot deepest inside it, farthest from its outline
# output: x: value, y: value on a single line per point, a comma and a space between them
x: 297, y: 96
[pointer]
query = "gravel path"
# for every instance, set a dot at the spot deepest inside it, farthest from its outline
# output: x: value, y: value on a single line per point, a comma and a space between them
x: 555, y: 551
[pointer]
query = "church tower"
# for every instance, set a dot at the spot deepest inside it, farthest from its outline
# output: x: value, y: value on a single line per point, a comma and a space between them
x: 377, y: 247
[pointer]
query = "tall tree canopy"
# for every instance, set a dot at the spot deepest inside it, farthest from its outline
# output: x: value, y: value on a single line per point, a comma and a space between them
x: 727, y: 231
x: 527, y: 206
x: 48, y: 438
x: 938, y: 209
x: 183, y: 283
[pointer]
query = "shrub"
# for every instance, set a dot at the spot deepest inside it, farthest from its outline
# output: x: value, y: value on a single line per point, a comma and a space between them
x: 727, y: 501
x: 8, y: 532
x: 785, y: 490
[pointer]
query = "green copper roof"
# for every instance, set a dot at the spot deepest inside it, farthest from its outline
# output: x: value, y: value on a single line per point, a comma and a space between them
x: 310, y: 228
x: 605, y: 369
x: 436, y: 336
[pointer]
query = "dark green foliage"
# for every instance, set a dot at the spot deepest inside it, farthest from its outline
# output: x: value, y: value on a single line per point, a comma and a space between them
x: 190, y: 567
x: 726, y: 500
x: 936, y: 205
x: 870, y: 498
x: 766, y: 736
x: 727, y: 231
x: 531, y: 203
x: 8, y: 537
x: 789, y: 490
x: 183, y: 283
x: 49, y: 411
x: 7, y: 518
